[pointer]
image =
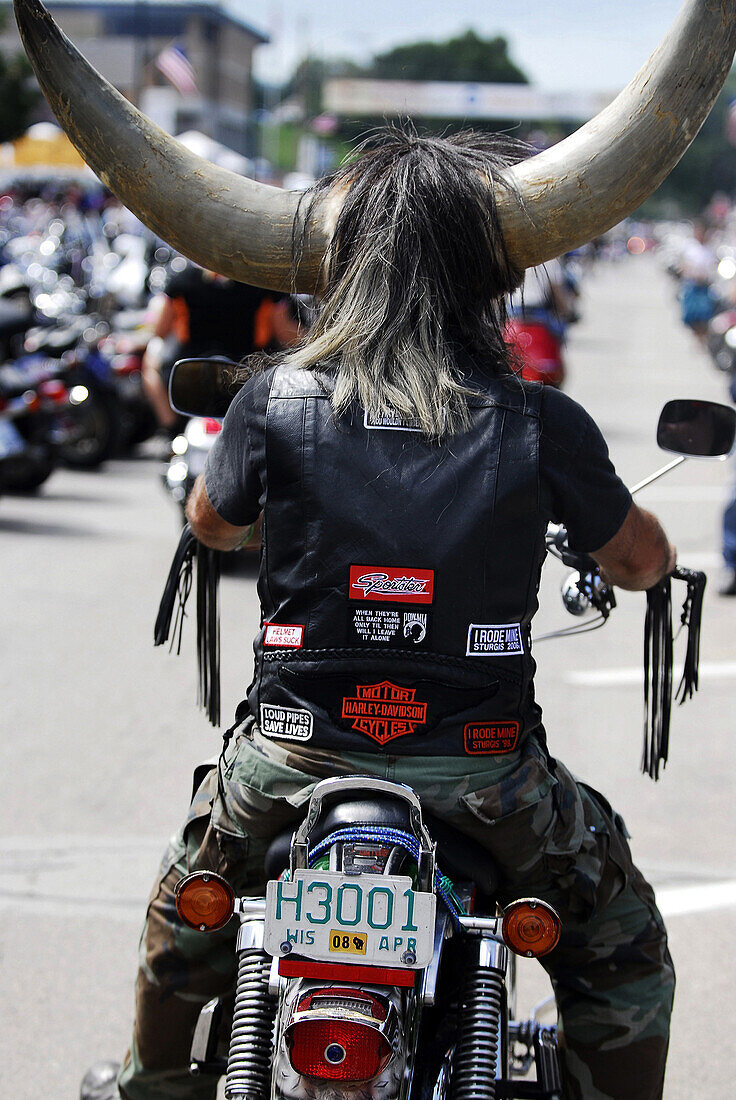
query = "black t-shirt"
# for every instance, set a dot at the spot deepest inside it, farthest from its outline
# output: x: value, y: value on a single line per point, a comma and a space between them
x: 579, y: 484
x: 220, y: 313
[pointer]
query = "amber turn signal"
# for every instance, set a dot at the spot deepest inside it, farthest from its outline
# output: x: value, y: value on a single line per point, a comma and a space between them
x: 530, y: 927
x: 204, y: 901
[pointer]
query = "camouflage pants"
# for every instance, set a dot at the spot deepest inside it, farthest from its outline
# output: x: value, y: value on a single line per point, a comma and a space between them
x: 551, y: 836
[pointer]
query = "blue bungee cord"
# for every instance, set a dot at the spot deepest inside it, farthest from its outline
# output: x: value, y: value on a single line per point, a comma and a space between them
x: 396, y: 838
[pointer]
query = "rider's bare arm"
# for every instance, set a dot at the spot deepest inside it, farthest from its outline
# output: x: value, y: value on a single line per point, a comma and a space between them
x: 639, y: 554
x: 209, y: 527
x: 286, y: 328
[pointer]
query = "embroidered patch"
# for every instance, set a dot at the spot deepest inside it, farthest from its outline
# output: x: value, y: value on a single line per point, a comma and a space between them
x: 283, y: 635
x: 384, y: 711
x: 376, y: 582
x: 494, y: 641
x: 392, y: 423
x: 489, y: 738
x: 389, y: 626
x: 286, y: 723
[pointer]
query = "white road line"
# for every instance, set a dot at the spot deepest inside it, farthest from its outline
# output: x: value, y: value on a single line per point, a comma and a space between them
x: 106, y: 878
x: 673, y: 901
x: 614, y: 677
x: 677, y: 493
x: 705, y: 559
x: 680, y: 901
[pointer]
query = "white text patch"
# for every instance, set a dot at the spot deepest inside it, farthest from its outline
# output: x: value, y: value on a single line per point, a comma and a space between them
x: 494, y: 641
x: 286, y: 723
x: 283, y: 635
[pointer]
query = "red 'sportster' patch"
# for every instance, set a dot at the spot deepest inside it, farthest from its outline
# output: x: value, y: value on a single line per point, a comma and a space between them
x: 384, y: 711
x: 490, y: 738
x: 379, y: 582
x: 283, y: 635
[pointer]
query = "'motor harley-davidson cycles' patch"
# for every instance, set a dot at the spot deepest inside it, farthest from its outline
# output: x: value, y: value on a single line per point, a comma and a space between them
x: 384, y: 711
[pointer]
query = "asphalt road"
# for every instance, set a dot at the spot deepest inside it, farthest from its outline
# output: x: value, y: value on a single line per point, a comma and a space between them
x: 100, y: 731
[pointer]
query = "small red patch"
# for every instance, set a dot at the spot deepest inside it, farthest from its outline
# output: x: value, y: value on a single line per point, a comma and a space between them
x: 490, y: 738
x: 384, y: 711
x: 379, y: 582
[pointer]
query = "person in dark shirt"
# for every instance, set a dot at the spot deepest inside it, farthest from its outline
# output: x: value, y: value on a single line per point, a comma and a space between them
x: 394, y: 446
x: 202, y: 314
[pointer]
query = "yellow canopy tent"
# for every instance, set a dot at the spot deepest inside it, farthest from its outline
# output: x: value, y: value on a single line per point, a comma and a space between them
x: 43, y: 145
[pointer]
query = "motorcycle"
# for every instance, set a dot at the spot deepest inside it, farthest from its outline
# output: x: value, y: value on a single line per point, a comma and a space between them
x: 367, y: 972
x: 538, y: 343
x: 379, y: 964
x: 26, y: 462
x: 38, y: 418
x: 721, y: 340
x: 189, y: 452
x: 123, y: 348
x: 85, y: 434
x: 190, y: 448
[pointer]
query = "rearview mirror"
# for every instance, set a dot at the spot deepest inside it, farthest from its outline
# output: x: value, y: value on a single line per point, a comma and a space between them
x: 697, y: 428
x: 203, y: 387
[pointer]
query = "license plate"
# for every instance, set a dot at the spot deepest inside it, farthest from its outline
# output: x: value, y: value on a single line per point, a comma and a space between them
x: 376, y: 919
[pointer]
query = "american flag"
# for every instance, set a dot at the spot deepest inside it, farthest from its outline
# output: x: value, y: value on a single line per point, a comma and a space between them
x: 173, y: 63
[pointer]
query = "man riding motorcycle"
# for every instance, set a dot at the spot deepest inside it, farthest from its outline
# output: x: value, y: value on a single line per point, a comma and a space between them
x: 406, y: 477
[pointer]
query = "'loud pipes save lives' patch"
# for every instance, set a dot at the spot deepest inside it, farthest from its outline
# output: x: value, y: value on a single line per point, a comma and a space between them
x: 384, y: 711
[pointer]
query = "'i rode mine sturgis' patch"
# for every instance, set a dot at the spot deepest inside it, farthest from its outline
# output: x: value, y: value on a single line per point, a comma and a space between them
x: 486, y: 640
x: 396, y: 625
x: 490, y: 738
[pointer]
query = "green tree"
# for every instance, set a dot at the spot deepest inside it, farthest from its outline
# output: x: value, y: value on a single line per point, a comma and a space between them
x: 465, y: 58
x: 19, y: 92
x: 310, y: 75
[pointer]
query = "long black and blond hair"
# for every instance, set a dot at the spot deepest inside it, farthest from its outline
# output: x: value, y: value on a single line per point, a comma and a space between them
x: 415, y: 275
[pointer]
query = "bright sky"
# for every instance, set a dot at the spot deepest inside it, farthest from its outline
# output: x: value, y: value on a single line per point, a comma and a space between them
x: 562, y: 45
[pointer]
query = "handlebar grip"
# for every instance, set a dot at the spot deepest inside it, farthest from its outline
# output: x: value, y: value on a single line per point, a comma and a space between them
x: 681, y: 573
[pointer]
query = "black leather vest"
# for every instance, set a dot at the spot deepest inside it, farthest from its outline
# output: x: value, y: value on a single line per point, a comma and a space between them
x: 399, y: 577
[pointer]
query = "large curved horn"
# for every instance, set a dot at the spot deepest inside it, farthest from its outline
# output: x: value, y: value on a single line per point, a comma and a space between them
x: 564, y: 196
x: 579, y: 188
x: 217, y: 218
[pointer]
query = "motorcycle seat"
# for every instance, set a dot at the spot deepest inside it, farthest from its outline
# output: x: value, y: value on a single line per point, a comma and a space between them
x: 458, y: 855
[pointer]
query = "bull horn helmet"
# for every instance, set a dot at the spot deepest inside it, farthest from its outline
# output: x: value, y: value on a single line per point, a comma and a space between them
x: 555, y: 201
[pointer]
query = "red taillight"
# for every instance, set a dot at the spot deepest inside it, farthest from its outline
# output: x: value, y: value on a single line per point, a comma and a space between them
x: 53, y: 389
x: 335, y: 1050
x: 339, y: 1034
x: 126, y: 364
x: 211, y: 427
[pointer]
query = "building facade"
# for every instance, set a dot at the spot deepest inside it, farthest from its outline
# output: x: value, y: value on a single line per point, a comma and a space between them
x: 123, y: 39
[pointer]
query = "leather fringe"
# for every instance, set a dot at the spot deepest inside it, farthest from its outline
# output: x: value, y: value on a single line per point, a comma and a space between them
x: 691, y: 617
x: 658, y: 660
x: 176, y: 593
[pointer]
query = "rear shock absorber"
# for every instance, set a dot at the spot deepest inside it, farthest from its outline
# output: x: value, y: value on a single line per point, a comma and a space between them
x: 251, y: 1042
x: 482, y: 1005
